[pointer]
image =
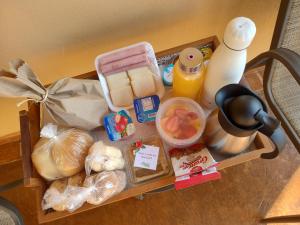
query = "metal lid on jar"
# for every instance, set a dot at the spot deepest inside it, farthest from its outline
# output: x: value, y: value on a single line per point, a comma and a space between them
x: 190, y: 60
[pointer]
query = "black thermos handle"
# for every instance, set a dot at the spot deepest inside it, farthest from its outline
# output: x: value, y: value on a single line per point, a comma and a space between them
x: 272, y: 129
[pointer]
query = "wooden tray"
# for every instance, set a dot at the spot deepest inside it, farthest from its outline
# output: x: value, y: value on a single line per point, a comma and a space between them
x: 30, y: 131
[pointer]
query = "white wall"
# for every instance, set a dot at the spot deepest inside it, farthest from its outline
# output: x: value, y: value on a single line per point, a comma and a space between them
x: 62, y: 38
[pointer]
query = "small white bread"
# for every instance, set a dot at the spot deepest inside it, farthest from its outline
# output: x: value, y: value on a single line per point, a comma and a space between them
x: 118, y: 80
x: 143, y: 87
x: 139, y: 72
x: 104, y: 185
x: 118, y: 84
x: 103, y: 157
x: 62, y: 155
x: 43, y: 161
x: 116, y: 163
x: 122, y: 96
x: 142, y: 82
x: 117, y: 76
x: 69, y: 151
x: 56, y: 196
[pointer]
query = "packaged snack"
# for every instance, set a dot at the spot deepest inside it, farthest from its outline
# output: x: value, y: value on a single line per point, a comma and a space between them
x: 146, y: 108
x: 206, y: 52
x: 167, y: 75
x: 147, y: 160
x: 118, y: 125
x: 103, y: 157
x: 104, y: 185
x: 65, y: 194
x: 193, y: 165
x: 137, y: 63
x: 60, y: 153
x: 197, y: 178
x: 190, y: 160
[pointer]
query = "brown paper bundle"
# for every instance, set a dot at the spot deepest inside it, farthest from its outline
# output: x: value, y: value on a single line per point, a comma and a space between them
x: 68, y: 102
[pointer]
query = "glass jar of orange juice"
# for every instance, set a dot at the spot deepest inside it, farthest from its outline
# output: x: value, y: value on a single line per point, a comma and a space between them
x: 188, y: 74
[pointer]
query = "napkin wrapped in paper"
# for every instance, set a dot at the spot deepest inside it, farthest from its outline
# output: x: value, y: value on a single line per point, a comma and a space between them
x: 68, y: 102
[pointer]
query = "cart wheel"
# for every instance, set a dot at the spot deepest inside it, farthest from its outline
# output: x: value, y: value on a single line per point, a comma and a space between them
x: 9, y: 214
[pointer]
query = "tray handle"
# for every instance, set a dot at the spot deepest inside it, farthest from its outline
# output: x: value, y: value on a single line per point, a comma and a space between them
x: 30, y: 129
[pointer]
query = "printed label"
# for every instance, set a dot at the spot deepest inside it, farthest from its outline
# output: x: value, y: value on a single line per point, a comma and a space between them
x: 147, y: 104
x: 146, y: 157
x: 193, y: 163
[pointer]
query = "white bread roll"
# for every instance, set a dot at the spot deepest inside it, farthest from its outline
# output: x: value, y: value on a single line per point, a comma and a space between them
x: 104, y: 185
x: 55, y: 196
x: 139, y: 72
x: 142, y: 82
x: 43, y: 162
x: 103, y: 157
x: 62, y: 155
x: 118, y: 80
x: 122, y: 96
x: 69, y: 151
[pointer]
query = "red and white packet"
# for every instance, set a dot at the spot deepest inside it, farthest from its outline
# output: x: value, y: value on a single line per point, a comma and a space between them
x: 193, y: 165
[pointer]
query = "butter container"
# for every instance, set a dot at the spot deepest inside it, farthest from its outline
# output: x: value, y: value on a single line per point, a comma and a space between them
x: 119, y: 125
x: 146, y: 108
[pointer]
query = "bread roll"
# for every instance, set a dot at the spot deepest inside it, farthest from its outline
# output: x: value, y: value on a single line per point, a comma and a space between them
x: 139, y: 72
x: 117, y: 80
x: 77, y: 180
x: 103, y: 157
x: 122, y: 96
x: 62, y: 155
x: 69, y: 151
x: 55, y: 197
x: 104, y: 185
x: 43, y: 161
x: 143, y: 87
x: 142, y: 82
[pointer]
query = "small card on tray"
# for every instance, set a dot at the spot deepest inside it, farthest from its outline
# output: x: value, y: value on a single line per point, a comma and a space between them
x: 146, y: 157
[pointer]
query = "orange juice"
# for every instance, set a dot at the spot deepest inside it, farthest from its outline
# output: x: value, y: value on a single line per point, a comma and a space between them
x: 188, y: 74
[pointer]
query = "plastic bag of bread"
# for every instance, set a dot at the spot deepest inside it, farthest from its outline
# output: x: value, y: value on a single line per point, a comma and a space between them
x: 66, y: 194
x: 104, y: 185
x: 103, y: 157
x: 60, y: 153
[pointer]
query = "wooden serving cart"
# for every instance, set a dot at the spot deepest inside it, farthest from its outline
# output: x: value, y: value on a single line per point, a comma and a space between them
x: 30, y: 132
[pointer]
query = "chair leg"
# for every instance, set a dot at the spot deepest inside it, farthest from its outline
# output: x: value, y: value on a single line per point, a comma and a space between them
x: 282, y: 219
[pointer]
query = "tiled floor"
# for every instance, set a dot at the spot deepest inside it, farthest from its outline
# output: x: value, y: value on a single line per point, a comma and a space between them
x: 245, y: 194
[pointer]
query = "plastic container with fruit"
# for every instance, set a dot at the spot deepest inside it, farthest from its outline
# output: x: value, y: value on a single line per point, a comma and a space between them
x: 180, y: 122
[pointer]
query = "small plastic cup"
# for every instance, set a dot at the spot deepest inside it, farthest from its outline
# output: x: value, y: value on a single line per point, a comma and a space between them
x: 192, y: 106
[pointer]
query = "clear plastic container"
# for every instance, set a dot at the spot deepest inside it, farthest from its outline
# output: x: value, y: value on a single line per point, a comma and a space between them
x: 180, y: 102
x: 141, y: 175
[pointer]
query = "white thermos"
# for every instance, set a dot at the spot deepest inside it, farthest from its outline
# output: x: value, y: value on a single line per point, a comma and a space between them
x: 228, y: 62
